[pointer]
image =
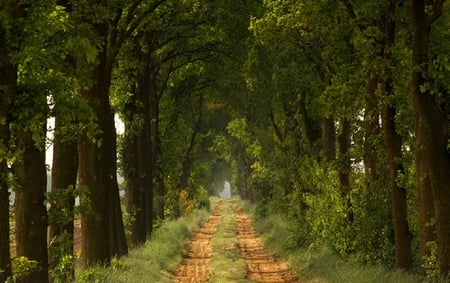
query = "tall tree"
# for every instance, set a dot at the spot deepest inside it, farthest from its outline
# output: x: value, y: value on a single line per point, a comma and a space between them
x: 102, y: 230
x: 8, y: 85
x: 393, y: 142
x: 431, y: 124
x: 64, y: 167
x: 26, y: 121
x: 62, y: 198
x: 31, y: 177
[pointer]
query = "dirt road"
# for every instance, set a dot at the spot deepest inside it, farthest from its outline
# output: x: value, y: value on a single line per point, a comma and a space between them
x: 260, y: 266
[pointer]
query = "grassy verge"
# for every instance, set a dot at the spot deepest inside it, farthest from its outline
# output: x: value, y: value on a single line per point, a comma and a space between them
x: 153, y: 261
x: 226, y: 264
x: 318, y: 263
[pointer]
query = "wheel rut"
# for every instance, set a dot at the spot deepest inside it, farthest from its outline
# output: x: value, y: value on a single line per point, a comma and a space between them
x: 261, y: 266
x: 195, y: 266
x: 257, y: 264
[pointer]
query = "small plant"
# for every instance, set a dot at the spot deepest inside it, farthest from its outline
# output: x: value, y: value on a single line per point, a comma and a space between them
x: 64, y: 271
x: 431, y: 263
x: 92, y: 275
x: 186, y: 206
x: 22, y: 266
x: 202, y: 198
x: 116, y: 264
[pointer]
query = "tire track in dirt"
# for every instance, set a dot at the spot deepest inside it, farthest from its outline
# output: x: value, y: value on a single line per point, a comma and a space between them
x: 195, y: 266
x: 261, y: 266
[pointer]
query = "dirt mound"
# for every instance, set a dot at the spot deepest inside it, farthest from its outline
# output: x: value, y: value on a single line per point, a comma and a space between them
x: 195, y: 266
x: 261, y: 266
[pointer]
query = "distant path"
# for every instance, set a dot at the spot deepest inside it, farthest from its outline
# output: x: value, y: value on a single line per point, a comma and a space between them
x: 239, y: 257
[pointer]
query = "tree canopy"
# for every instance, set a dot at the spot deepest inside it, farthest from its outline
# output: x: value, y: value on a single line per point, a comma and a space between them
x: 333, y: 114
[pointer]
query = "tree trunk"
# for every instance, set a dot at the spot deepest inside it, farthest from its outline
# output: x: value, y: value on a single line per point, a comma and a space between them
x: 393, y: 143
x: 8, y: 83
x: 63, y: 180
x: 92, y: 174
x: 102, y: 227
x: 134, y: 201
x: 371, y: 132
x: 139, y: 157
x: 344, y: 166
x: 431, y: 124
x: 5, y: 255
x: 30, y: 210
x: 118, y: 242
x: 61, y: 212
x: 8, y: 88
x: 153, y: 100
x: 403, y: 237
x: 311, y: 127
x: 329, y: 139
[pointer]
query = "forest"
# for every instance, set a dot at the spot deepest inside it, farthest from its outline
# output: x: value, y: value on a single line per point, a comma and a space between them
x: 332, y: 114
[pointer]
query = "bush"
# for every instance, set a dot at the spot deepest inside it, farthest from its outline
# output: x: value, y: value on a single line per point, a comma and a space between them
x: 22, y: 266
x: 318, y: 261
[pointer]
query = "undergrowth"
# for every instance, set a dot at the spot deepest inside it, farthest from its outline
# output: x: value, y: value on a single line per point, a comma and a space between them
x: 315, y: 261
x: 153, y: 261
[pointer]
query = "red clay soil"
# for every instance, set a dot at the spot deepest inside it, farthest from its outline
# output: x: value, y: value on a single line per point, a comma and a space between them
x: 261, y: 266
x: 195, y: 266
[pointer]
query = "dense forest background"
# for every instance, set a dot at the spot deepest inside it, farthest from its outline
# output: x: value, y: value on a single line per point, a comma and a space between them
x: 333, y: 114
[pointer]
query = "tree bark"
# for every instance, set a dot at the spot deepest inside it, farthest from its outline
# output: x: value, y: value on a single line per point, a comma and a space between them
x: 393, y: 143
x: 8, y: 84
x: 329, y: 138
x: 139, y: 158
x: 5, y: 255
x: 431, y: 124
x: 102, y: 227
x: 134, y: 202
x: 371, y: 132
x: 61, y: 212
x: 344, y: 166
x: 93, y: 177
x: 118, y: 242
x: 154, y: 140
x: 8, y: 88
x: 403, y: 236
x: 30, y: 211
x: 311, y: 127
x: 63, y: 179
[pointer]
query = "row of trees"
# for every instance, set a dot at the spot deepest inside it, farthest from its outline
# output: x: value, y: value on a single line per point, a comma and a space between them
x: 331, y: 113
x: 155, y: 64
x: 345, y: 128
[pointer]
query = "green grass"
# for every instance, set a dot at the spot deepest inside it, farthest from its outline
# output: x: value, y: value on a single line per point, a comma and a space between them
x: 153, y: 261
x: 226, y: 264
x: 318, y: 263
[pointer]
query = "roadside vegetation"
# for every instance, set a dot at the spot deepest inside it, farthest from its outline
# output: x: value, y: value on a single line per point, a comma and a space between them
x: 331, y: 117
x: 154, y: 260
x: 317, y: 261
x: 314, y: 261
